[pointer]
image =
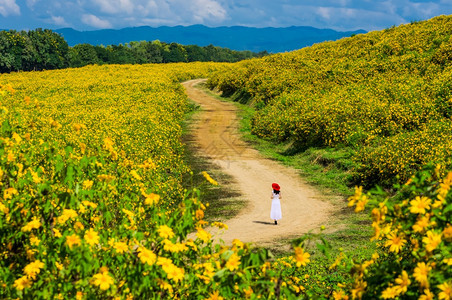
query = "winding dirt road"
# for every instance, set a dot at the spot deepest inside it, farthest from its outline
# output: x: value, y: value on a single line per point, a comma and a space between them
x: 217, y: 137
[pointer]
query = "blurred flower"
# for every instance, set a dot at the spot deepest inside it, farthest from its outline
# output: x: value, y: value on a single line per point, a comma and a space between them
x: 72, y: 240
x: 22, y: 283
x: 301, y: 257
x: 103, y: 280
x: 165, y: 232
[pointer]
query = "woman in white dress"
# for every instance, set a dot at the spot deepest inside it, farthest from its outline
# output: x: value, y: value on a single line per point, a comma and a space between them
x: 275, y: 212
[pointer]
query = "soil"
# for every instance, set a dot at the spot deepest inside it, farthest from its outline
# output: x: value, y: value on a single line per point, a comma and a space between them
x: 217, y: 136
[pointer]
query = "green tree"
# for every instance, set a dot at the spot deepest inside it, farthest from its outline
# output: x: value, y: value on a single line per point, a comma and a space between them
x: 195, y: 53
x: 174, y: 53
x: 51, y: 49
x: 84, y: 54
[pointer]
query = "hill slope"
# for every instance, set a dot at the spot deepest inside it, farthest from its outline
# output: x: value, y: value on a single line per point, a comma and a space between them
x: 384, y: 96
x: 235, y: 38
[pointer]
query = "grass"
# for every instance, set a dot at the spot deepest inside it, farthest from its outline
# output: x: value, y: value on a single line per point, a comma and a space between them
x: 328, y: 169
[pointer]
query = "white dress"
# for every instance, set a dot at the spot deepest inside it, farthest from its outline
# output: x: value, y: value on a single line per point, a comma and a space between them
x: 275, y: 213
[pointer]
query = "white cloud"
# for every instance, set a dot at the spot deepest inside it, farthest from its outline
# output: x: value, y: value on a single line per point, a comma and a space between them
x: 31, y: 3
x: 58, y: 20
x: 9, y: 7
x: 115, y: 6
x: 208, y: 10
x: 324, y: 12
x: 96, y: 22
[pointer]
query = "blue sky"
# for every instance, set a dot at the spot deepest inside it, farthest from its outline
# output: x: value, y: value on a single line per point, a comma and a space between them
x: 340, y: 15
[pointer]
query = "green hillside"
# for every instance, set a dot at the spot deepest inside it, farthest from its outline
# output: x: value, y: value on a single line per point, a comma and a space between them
x: 384, y: 96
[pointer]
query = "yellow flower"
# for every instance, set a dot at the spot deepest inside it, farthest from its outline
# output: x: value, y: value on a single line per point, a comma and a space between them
x: 301, y: 257
x: 79, y: 296
x: 152, y: 199
x: 91, y: 237
x: 78, y: 226
x: 174, y: 273
x: 432, y: 240
x: 33, y: 224
x: 360, y: 205
x: 72, y: 240
x: 9, y: 193
x: 419, y: 205
x: 340, y: 295
x: 199, y: 214
x: 22, y: 283
x: 358, y: 289
x: 220, y: 225
x: 233, y: 262
x: 403, y: 282
x: 78, y: 126
x: 203, y: 235
x: 10, y: 157
x: 390, y: 293
x: 395, y: 243
x: 165, y: 232
x: 238, y: 243
x: 33, y: 268
x: 146, y: 256
x: 135, y: 175
x: 215, y: 296
x: 34, y: 241
x: 121, y: 247
x: 446, y: 291
x: 87, y: 184
x: 103, y: 280
x: 209, y: 179
x: 421, y: 273
x: 67, y: 214
x: 421, y: 224
x: 427, y: 295
x: 447, y: 232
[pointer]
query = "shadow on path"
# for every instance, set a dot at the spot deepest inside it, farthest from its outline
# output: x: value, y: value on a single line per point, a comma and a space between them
x: 265, y: 223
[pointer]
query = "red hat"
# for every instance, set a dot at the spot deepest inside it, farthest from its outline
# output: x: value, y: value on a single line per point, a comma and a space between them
x: 275, y: 186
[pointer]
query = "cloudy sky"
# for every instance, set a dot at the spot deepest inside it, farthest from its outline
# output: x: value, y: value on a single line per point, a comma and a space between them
x: 340, y: 15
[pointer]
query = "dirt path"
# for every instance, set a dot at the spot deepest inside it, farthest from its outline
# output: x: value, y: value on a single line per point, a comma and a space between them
x: 217, y: 137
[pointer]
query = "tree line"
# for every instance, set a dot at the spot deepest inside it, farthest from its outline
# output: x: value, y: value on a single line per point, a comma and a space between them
x: 43, y: 49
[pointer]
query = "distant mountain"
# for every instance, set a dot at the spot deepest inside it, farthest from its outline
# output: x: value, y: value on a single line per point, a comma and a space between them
x: 236, y: 38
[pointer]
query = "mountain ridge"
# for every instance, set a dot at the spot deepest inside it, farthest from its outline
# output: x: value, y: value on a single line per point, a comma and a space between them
x: 271, y: 39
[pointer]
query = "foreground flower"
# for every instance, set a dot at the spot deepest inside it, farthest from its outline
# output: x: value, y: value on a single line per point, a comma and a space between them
x: 203, y: 235
x: 121, y: 247
x: 174, y: 273
x: 165, y: 232
x: 33, y: 268
x: 233, y: 262
x: 395, y: 243
x: 22, y: 283
x: 103, y: 280
x: 403, y: 282
x: 72, y: 240
x: 34, y: 224
x: 146, y: 256
x: 340, y: 295
x: 427, y: 295
x: 91, y: 237
x: 419, y: 205
x: 432, y: 240
x: 301, y: 257
x: 390, y: 293
x: 421, y: 273
x: 446, y: 291
x: 151, y: 199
